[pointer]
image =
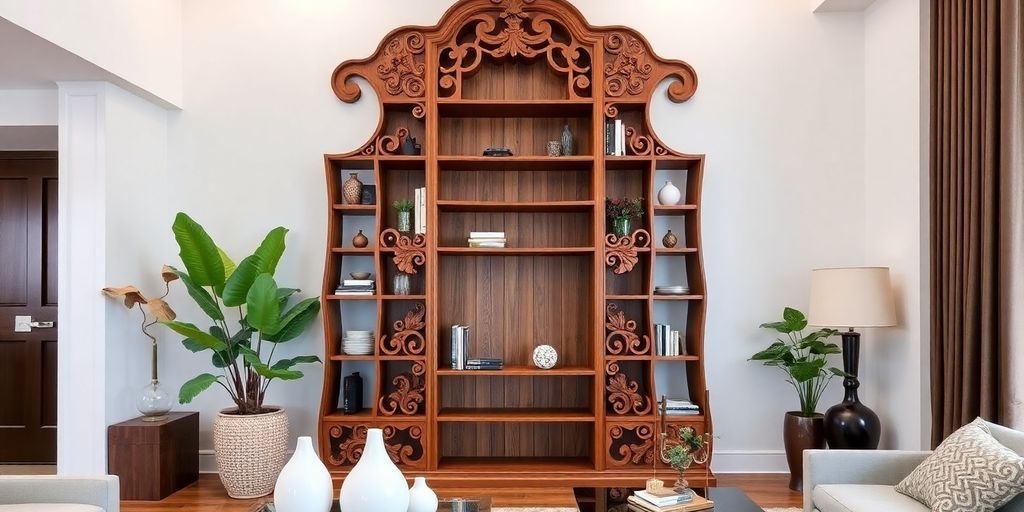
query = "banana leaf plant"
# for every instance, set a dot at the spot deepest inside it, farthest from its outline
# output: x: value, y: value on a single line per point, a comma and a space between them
x: 249, y: 316
x: 804, y: 358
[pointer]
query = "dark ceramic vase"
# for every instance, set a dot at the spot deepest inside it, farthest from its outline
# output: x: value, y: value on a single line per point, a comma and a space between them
x: 801, y: 433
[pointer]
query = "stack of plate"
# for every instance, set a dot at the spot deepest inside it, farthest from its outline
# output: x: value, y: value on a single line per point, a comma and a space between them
x: 672, y: 290
x: 357, y: 343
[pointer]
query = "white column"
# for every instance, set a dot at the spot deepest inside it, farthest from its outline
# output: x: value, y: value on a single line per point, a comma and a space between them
x: 81, y: 396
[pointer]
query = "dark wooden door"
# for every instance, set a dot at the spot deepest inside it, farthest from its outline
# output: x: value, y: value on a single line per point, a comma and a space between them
x: 28, y: 287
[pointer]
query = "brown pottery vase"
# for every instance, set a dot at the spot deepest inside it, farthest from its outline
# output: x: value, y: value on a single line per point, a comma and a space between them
x: 352, y: 189
x: 670, y: 240
x: 360, y: 240
x: 801, y: 433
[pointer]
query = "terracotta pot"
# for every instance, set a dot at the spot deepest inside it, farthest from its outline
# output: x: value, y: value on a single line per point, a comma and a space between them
x: 352, y: 189
x: 360, y: 240
x: 801, y: 433
x: 250, y: 450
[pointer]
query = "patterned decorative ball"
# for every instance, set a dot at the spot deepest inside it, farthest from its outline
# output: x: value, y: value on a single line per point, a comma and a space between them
x: 545, y: 357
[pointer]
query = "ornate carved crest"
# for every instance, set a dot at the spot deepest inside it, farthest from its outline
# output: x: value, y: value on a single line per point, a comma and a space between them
x: 408, y: 393
x: 399, y: 69
x: 407, y: 338
x: 410, y: 252
x: 623, y: 393
x: 629, y: 69
x: 631, y: 444
x: 621, y: 252
x: 622, y: 337
x: 404, y: 444
x: 350, y: 440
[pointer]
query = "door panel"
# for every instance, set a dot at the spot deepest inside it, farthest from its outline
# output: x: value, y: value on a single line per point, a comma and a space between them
x: 28, y: 286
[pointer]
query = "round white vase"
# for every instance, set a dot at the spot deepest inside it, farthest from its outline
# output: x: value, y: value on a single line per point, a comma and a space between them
x: 669, y: 195
x: 421, y: 497
x: 305, y: 484
x: 375, y: 484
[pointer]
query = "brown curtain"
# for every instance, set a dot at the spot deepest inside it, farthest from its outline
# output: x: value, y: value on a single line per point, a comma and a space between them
x: 977, y: 212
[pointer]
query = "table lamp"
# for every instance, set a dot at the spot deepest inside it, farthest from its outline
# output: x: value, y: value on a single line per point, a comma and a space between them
x: 851, y: 297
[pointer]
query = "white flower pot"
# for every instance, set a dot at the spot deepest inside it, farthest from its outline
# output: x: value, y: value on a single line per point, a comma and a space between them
x: 669, y: 195
x: 305, y: 484
x: 375, y: 484
x: 421, y: 497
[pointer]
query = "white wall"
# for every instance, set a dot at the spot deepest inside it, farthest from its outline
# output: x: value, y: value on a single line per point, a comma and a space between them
x: 894, y: 380
x: 138, y: 41
x: 28, y: 107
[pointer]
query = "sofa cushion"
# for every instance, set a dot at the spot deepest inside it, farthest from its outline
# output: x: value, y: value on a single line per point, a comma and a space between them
x: 50, y: 507
x: 1007, y: 437
x: 862, y: 498
x: 970, y: 470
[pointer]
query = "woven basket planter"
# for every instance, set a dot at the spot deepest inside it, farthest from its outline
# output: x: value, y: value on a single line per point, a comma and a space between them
x: 250, y: 451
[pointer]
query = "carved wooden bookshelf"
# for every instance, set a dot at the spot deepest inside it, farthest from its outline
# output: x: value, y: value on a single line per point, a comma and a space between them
x: 513, y: 73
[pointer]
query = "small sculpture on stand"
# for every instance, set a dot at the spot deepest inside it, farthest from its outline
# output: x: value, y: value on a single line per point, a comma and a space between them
x: 690, y: 447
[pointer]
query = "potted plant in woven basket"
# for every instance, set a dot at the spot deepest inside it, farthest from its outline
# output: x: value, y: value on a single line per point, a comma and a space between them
x: 249, y: 316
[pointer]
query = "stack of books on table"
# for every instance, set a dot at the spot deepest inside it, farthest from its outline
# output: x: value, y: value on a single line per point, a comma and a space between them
x: 492, y: 239
x: 356, y: 287
x: 680, y: 407
x: 667, y: 500
x: 667, y: 342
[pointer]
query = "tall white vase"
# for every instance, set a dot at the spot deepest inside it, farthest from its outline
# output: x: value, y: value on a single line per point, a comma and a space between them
x: 421, y: 497
x: 669, y: 195
x: 375, y: 484
x: 305, y: 484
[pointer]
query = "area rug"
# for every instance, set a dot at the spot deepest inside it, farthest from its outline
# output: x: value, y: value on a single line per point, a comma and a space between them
x: 793, y: 509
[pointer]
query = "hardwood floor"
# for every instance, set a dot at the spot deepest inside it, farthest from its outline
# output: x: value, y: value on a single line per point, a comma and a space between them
x: 768, y: 490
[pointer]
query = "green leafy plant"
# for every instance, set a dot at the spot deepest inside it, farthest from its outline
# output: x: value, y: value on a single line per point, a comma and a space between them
x: 682, y: 454
x: 624, y: 208
x: 403, y: 205
x: 804, y: 358
x: 248, y: 291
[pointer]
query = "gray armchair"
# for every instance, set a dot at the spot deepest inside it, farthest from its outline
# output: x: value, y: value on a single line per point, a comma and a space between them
x: 59, y: 494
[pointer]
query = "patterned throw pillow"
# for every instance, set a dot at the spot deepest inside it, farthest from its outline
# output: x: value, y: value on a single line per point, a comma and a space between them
x: 970, y: 470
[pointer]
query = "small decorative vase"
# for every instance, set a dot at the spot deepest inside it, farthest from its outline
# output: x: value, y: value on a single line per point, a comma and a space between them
x: 554, y: 148
x: 620, y: 226
x: 801, y: 433
x: 669, y: 194
x: 545, y: 357
x: 352, y: 189
x: 409, y: 146
x: 404, y: 221
x: 360, y: 240
x: 402, y: 284
x: 670, y: 240
x: 421, y: 497
x: 305, y: 484
x: 567, y: 147
x: 153, y: 402
x: 250, y: 450
x: 375, y: 484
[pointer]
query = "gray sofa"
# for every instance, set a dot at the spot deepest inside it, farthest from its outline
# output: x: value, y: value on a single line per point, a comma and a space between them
x: 864, y: 480
x: 59, y: 494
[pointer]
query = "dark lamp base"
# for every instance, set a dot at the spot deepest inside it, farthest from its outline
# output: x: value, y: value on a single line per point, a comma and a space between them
x: 852, y: 426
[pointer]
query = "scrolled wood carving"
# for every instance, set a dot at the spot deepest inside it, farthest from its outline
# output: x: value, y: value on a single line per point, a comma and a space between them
x: 404, y: 445
x: 352, y: 441
x: 396, y: 70
x: 407, y: 338
x: 392, y: 144
x: 621, y: 252
x: 631, y: 69
x: 631, y: 444
x: 408, y: 394
x: 624, y: 394
x: 419, y: 111
x: 410, y: 252
x: 622, y: 338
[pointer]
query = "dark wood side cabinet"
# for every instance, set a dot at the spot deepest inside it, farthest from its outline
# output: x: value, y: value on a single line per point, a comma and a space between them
x: 154, y: 459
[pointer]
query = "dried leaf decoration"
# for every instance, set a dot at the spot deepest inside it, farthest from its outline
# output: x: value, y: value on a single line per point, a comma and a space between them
x: 131, y: 294
x: 161, y: 310
x: 167, y: 273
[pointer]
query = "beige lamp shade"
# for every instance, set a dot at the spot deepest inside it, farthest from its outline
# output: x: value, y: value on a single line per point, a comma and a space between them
x: 851, y: 297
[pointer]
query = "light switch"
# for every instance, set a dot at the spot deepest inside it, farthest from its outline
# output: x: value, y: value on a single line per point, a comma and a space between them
x: 22, y: 324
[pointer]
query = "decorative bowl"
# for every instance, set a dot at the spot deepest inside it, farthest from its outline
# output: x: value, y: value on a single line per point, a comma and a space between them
x: 359, y: 275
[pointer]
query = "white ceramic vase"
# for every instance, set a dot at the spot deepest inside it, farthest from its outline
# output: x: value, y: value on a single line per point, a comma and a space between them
x: 421, y: 497
x: 375, y: 484
x: 304, y: 484
x: 669, y: 194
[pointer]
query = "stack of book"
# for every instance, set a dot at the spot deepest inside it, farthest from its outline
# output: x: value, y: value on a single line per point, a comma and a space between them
x: 667, y: 500
x: 419, y: 203
x: 460, y: 346
x: 680, y: 407
x: 484, y: 363
x: 668, y: 342
x: 615, y: 138
x: 493, y: 239
x: 356, y: 287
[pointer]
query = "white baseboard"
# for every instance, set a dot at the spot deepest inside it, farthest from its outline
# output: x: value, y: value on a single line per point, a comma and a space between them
x: 732, y: 461
x: 749, y: 461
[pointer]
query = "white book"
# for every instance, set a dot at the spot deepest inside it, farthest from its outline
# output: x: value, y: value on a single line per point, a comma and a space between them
x: 357, y: 282
x: 620, y: 138
x: 416, y: 210
x: 487, y: 234
x: 423, y: 208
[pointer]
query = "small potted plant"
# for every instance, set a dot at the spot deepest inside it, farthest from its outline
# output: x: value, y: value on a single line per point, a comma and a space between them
x: 404, y: 208
x: 690, y: 448
x: 622, y: 211
x: 804, y: 361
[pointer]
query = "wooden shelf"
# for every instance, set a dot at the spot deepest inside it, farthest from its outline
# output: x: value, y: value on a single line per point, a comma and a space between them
x: 402, y: 358
x: 658, y: 296
x: 529, y: 371
x: 541, y: 465
x: 349, y: 357
x: 515, y: 251
x: 503, y: 206
x: 627, y: 358
x: 513, y: 163
x: 351, y: 297
x: 403, y: 297
x: 677, y: 358
x: 356, y: 209
x: 515, y: 415
x: 675, y: 251
x: 627, y: 297
x: 352, y: 250
x: 676, y: 209
x: 338, y: 415
x: 515, y: 108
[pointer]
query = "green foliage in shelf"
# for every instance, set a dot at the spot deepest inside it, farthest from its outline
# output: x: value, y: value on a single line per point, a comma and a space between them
x: 802, y: 358
x: 624, y: 208
x: 403, y: 205
x: 682, y: 454
x: 219, y: 286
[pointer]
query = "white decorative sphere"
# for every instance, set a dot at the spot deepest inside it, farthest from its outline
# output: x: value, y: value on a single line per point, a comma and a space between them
x: 545, y: 357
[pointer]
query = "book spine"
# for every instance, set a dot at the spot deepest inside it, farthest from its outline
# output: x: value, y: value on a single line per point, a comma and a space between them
x: 609, y: 126
x: 465, y: 346
x: 658, y: 332
x: 416, y: 210
x: 455, y: 346
x: 487, y: 234
x: 620, y: 137
x: 423, y: 210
